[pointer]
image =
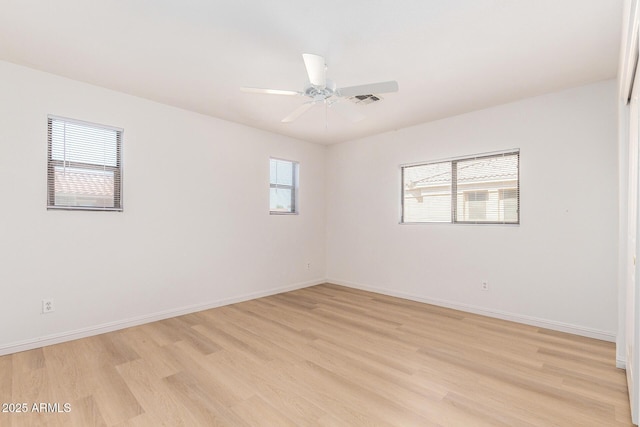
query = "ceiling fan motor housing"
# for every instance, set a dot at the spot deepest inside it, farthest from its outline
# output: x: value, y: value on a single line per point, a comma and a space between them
x: 320, y: 93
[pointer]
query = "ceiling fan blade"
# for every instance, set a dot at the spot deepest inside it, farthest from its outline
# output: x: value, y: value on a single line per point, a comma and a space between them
x: 370, y: 89
x: 270, y: 91
x: 348, y: 111
x: 298, y: 112
x: 316, y: 69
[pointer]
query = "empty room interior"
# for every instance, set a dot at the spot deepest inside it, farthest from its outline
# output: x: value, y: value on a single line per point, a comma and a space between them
x: 285, y: 213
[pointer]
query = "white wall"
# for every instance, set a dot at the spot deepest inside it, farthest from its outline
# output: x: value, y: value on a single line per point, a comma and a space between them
x: 557, y: 268
x: 195, y: 230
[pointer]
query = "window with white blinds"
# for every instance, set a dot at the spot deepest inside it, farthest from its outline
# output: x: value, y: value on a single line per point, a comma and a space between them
x: 84, y: 167
x: 283, y: 186
x: 482, y: 189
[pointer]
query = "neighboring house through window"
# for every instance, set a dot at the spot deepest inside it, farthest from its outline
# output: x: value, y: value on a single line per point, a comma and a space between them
x: 84, y: 167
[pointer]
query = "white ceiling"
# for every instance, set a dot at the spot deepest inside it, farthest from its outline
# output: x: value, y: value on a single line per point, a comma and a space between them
x: 448, y: 56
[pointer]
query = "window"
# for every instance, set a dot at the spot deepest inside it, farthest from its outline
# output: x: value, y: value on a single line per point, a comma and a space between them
x: 84, y: 167
x: 283, y: 183
x: 475, y: 205
x: 509, y: 205
x: 479, y: 189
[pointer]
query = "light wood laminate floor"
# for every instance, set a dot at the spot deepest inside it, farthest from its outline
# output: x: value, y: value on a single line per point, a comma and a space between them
x: 320, y: 356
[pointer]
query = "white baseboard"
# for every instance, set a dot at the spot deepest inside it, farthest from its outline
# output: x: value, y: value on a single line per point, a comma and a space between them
x: 621, y: 363
x: 139, y: 320
x: 527, y: 320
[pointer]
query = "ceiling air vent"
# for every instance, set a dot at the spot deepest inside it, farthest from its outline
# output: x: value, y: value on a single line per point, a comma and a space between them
x: 365, y: 99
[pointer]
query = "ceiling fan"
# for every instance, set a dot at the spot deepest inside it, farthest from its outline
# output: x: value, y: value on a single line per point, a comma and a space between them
x: 320, y: 89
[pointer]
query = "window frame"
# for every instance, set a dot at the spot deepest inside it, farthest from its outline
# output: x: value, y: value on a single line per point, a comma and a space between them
x: 294, y: 187
x: 53, y: 163
x: 455, y: 213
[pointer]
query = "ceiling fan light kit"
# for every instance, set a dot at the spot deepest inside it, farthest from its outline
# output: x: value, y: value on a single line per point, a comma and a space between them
x: 323, y: 90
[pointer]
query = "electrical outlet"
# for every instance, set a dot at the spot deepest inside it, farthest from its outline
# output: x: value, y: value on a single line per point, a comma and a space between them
x: 308, y: 266
x: 47, y: 306
x: 484, y: 285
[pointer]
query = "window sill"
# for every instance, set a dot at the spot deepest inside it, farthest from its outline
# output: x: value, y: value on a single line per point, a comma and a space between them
x: 282, y: 213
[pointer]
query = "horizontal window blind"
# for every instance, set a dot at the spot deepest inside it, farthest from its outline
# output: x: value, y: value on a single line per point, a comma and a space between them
x: 84, y: 168
x: 482, y: 189
x: 481, y: 186
x: 427, y: 193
